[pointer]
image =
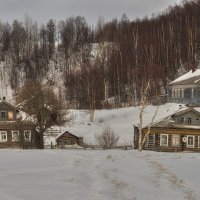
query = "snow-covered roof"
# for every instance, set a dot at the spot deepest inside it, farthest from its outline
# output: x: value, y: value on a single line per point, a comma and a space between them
x: 52, y: 138
x: 192, y: 77
x: 67, y: 132
x: 168, y: 122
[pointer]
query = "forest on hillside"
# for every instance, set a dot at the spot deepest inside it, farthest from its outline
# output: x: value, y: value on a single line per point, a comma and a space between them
x: 111, y: 60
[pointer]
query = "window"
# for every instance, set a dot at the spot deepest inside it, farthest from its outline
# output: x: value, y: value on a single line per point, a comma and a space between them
x: 176, y: 94
x: 27, y: 135
x: 197, y: 120
x: 198, y: 141
x: 10, y: 115
x: 15, y: 136
x: 163, y: 140
x: 3, y: 136
x: 179, y: 93
x: 189, y: 120
x: 175, y: 140
x: 182, y: 120
x: 147, y: 141
x: 173, y: 94
x: 192, y: 93
x: 190, y: 141
x: 3, y: 114
x: 182, y: 93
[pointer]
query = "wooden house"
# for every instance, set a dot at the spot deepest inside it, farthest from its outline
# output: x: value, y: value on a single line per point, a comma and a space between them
x: 14, y: 132
x: 178, y: 132
x: 68, y: 138
x: 185, y: 89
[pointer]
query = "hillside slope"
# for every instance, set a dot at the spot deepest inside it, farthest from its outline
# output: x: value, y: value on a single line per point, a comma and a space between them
x: 121, y: 120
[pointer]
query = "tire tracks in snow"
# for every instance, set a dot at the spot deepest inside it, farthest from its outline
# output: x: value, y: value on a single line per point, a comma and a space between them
x: 162, y: 172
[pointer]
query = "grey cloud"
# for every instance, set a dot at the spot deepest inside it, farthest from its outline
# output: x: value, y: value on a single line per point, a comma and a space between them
x: 42, y: 10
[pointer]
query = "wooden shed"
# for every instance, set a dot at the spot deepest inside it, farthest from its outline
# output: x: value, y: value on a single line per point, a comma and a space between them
x: 68, y: 138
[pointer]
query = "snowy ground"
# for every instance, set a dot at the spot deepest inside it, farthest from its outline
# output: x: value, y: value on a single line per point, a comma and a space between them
x: 98, y: 175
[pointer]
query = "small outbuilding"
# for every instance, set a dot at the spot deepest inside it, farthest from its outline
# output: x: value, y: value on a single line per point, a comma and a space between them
x: 68, y: 138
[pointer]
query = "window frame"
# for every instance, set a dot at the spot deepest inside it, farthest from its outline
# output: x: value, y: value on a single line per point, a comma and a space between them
x: 29, y: 139
x: 182, y: 95
x: 146, y: 144
x: 161, y: 140
x: 189, y: 120
x: 13, y: 138
x: 9, y: 116
x: 175, y: 135
x: 1, y: 114
x: 192, y: 93
x: 182, y: 120
x: 191, y: 146
x: 3, y: 132
x: 198, y: 141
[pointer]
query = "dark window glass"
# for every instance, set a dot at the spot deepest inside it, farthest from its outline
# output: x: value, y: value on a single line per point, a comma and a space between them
x: 189, y: 120
x: 3, y: 114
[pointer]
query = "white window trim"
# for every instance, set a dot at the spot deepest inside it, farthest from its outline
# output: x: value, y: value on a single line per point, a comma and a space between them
x: 13, y: 138
x: 175, y: 145
x: 191, y: 146
x: 198, y: 141
x: 5, y: 132
x: 27, y: 140
x: 167, y: 140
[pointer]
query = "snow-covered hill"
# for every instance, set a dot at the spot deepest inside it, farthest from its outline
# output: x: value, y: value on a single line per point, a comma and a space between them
x: 121, y: 120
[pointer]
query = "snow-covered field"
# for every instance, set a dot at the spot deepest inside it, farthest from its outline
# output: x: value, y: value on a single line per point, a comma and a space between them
x: 98, y: 175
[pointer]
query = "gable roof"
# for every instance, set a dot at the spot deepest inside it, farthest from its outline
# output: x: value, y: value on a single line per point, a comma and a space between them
x: 186, y: 110
x: 67, y: 133
x: 168, y: 122
x: 8, y: 104
x: 188, y: 78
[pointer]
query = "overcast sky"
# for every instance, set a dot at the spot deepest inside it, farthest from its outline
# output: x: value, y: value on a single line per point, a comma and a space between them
x: 42, y: 10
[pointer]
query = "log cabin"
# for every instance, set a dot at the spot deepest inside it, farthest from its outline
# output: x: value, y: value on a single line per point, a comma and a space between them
x: 68, y: 138
x: 15, y: 132
x: 175, y: 133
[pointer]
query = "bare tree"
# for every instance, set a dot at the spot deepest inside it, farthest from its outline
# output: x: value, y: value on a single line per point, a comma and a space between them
x: 107, y: 139
x: 144, y: 102
x: 40, y: 102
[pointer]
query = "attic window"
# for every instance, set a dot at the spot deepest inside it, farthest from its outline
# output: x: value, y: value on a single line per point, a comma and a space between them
x: 189, y: 120
x: 10, y: 115
x: 3, y: 114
